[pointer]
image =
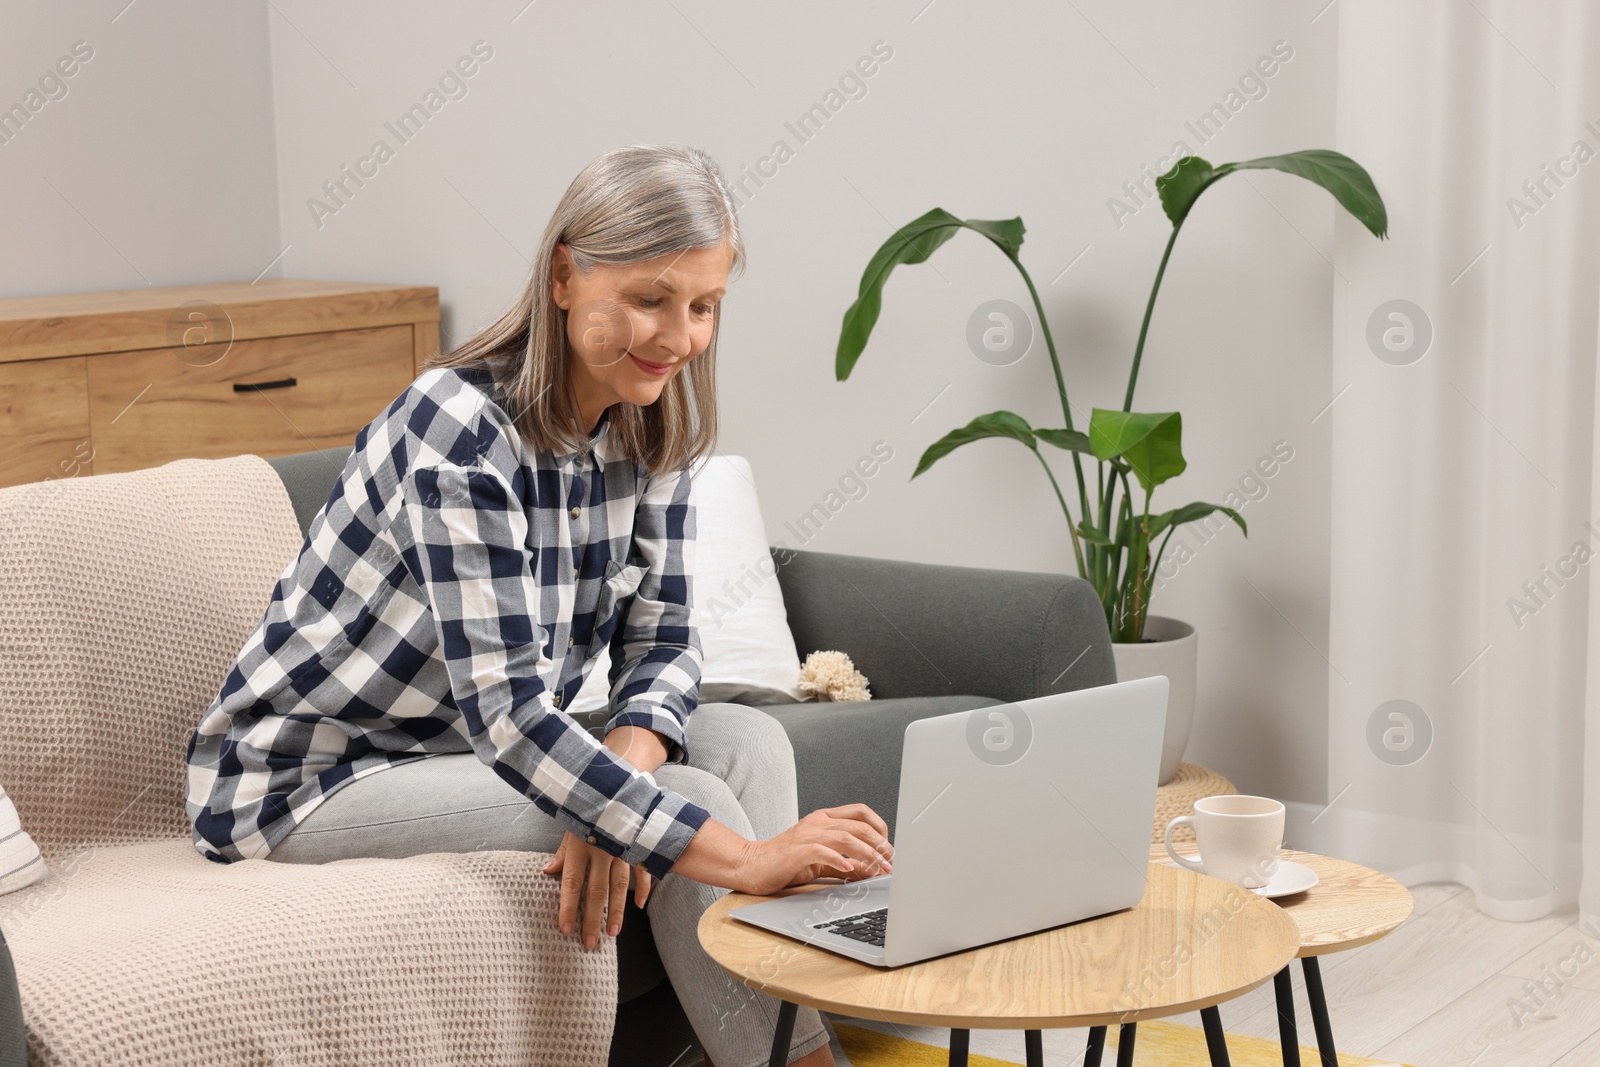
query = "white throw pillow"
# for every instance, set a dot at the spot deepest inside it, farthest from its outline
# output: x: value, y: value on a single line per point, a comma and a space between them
x: 20, y: 862
x: 750, y: 656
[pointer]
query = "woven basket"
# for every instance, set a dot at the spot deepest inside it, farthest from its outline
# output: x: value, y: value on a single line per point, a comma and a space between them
x: 1192, y: 782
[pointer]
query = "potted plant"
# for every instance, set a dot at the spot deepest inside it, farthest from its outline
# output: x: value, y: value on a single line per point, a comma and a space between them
x: 1132, y: 452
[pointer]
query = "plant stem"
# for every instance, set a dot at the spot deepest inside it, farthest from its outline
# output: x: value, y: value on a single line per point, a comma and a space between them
x: 1127, y: 535
x: 1117, y: 608
x: 1066, y: 408
x: 1044, y: 325
x: 1163, y: 550
x: 1144, y: 327
x: 1143, y: 555
x: 1098, y: 553
x: 1106, y: 587
x: 1077, y: 547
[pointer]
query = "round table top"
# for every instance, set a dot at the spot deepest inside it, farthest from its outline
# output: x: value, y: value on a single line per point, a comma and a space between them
x: 1350, y: 905
x: 1192, y: 942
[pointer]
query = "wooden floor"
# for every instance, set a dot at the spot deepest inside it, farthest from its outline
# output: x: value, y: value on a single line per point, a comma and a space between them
x: 1449, y: 988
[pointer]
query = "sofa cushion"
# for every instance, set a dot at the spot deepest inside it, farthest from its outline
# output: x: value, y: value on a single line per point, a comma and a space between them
x: 309, y: 478
x: 923, y: 629
x: 123, y: 600
x: 149, y: 953
x: 850, y: 753
x: 750, y: 654
x: 20, y: 862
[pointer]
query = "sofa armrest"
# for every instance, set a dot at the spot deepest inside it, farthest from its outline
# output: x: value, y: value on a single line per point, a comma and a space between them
x: 13, y: 1039
x: 921, y: 629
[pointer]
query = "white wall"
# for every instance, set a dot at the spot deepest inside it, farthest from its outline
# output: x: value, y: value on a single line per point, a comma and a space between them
x: 153, y: 163
x: 1024, y: 109
x: 1018, y: 108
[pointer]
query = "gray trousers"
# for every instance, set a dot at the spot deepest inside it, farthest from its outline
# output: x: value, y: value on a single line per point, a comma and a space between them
x: 740, y: 769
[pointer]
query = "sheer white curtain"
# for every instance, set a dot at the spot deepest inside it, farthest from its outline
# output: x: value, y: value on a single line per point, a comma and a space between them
x: 1466, y: 525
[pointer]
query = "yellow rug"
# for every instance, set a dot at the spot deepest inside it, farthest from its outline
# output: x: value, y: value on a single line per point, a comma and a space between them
x: 1159, y: 1044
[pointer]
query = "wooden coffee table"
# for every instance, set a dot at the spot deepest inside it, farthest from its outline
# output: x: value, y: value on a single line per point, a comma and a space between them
x: 1350, y: 906
x: 1192, y: 943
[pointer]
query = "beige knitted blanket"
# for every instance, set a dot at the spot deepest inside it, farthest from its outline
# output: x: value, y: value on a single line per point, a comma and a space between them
x: 123, y: 600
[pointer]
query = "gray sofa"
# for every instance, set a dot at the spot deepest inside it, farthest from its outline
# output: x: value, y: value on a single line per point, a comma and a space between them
x: 931, y: 639
x: 13, y: 1041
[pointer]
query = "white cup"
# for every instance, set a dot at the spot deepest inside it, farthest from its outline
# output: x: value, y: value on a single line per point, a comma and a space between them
x: 1240, y: 837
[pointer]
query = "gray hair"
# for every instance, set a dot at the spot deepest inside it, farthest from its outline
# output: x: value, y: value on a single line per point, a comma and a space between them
x: 631, y: 204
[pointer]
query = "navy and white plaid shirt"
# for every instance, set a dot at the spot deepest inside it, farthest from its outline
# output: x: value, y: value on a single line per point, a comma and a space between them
x: 450, y: 597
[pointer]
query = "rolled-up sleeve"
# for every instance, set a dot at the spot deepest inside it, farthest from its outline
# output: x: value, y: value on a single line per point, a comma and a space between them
x: 657, y: 650
x: 463, y: 533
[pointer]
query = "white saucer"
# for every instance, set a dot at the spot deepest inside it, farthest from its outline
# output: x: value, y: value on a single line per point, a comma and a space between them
x: 1290, y: 878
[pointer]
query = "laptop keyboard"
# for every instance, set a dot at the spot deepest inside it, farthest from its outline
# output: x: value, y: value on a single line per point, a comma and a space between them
x: 868, y: 926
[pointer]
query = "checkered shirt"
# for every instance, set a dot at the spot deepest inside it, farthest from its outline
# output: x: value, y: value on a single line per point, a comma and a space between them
x: 451, y: 596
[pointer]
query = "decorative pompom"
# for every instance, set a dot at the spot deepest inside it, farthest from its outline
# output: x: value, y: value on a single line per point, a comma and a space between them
x: 831, y: 676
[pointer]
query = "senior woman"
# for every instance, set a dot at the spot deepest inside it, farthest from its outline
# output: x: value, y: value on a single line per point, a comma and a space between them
x: 520, y: 507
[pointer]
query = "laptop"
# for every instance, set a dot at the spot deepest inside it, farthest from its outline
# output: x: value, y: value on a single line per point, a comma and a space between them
x: 1012, y: 819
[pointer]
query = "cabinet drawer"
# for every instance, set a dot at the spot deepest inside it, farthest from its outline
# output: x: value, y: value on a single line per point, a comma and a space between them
x: 270, y: 397
x: 44, y: 421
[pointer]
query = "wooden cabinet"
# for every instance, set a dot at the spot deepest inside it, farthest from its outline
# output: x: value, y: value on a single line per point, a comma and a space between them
x: 44, y: 420
x: 105, y: 382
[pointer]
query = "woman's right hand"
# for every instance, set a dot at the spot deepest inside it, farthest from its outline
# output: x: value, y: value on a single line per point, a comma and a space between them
x: 849, y: 842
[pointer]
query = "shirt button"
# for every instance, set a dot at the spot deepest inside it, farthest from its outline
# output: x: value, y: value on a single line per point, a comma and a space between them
x: 575, y: 512
x: 574, y: 574
x: 556, y: 700
x: 591, y: 839
x: 569, y: 642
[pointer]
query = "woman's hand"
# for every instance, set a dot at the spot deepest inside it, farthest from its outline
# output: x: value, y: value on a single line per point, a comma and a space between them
x: 590, y: 873
x: 606, y: 893
x: 849, y: 842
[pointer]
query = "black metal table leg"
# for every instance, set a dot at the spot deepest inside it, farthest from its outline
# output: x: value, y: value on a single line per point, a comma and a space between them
x: 1096, y: 1046
x: 1319, y: 1011
x: 1033, y: 1041
x: 783, y: 1035
x: 1288, y: 1033
x: 1216, y: 1040
x: 959, y: 1040
x: 1125, y: 1039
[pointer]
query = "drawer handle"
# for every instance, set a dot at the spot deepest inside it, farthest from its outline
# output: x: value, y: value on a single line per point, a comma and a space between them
x: 256, y: 387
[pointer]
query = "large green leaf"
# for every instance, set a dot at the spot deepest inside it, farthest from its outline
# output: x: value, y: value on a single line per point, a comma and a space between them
x: 912, y: 243
x: 1007, y: 233
x: 1190, y: 513
x: 1071, y: 440
x: 1181, y: 186
x: 1150, y: 443
x: 1343, y: 177
x: 995, y: 424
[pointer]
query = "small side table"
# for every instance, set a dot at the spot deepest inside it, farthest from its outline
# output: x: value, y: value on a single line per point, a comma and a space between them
x: 1350, y: 906
x: 1192, y: 943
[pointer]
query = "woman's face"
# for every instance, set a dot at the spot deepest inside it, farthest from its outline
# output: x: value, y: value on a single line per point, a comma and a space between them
x: 632, y: 328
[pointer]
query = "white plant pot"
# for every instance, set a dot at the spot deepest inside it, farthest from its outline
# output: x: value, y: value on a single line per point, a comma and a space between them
x: 1169, y: 647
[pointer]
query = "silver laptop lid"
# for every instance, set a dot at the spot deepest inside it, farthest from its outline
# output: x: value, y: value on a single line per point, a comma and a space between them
x: 1020, y: 817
